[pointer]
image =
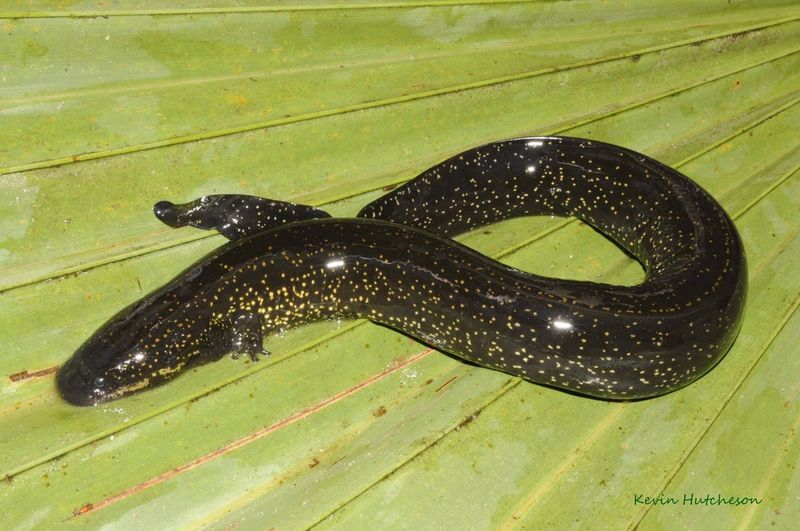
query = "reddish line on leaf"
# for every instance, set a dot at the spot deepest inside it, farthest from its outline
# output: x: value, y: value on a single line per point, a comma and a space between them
x: 25, y: 375
x: 448, y: 382
x: 244, y: 441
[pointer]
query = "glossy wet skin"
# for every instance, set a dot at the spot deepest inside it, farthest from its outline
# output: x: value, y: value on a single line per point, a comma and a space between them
x: 285, y: 268
x: 144, y: 345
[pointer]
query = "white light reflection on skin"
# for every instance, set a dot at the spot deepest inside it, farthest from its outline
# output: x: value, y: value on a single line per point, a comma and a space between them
x: 125, y: 364
x: 336, y: 263
x: 535, y: 143
x: 562, y: 325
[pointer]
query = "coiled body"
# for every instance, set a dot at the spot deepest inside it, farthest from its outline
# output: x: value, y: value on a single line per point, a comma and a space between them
x: 395, y: 264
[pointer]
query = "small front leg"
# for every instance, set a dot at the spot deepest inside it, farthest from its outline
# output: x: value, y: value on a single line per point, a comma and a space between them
x: 247, y: 337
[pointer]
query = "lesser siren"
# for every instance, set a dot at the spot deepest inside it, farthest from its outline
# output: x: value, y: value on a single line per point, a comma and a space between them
x: 396, y: 265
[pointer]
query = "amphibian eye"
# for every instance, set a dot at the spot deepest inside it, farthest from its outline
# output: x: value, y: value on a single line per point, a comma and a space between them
x: 99, y: 381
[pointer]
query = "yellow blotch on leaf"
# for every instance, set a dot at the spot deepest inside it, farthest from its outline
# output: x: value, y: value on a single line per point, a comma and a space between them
x: 237, y: 100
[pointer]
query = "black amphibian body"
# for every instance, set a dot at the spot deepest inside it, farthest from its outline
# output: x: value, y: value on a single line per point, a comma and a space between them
x: 395, y: 264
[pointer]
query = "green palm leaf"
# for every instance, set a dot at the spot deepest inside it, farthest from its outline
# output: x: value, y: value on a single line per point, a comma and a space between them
x: 106, y: 108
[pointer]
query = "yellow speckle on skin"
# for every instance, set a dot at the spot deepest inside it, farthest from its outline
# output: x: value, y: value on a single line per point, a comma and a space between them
x: 122, y: 391
x: 164, y: 371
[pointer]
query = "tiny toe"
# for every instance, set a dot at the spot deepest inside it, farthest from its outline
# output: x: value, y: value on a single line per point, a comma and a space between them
x: 254, y: 355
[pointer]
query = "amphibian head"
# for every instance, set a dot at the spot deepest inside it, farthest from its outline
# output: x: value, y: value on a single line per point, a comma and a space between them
x: 142, y: 346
